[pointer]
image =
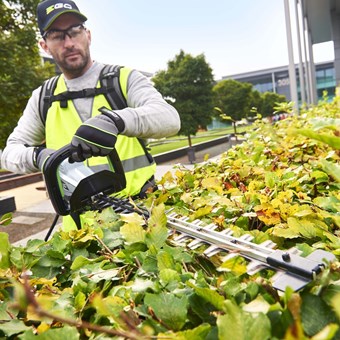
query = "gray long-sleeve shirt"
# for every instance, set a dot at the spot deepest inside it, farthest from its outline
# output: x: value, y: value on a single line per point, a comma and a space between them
x: 148, y: 115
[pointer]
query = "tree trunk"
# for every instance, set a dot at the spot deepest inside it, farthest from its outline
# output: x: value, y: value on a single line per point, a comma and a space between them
x: 189, y: 141
x: 234, y: 123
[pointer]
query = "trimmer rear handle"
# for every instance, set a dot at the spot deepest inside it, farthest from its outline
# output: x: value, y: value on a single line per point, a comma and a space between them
x: 105, y: 181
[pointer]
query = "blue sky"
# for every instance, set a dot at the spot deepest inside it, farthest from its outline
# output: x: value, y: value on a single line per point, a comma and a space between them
x: 234, y: 35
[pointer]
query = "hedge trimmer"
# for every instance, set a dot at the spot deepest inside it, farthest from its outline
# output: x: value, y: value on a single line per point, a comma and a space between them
x: 75, y: 189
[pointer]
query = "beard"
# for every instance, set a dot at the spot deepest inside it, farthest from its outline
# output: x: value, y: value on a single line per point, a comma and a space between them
x: 73, y: 62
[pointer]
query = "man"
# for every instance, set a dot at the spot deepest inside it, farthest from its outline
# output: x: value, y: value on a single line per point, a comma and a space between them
x: 88, y: 123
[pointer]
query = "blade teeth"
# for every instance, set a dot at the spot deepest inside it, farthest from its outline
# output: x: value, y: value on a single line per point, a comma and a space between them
x: 211, y: 226
x: 254, y: 266
x: 246, y: 237
x: 195, y: 244
x: 227, y: 232
x: 229, y: 256
x: 184, y: 218
x: 172, y: 215
x: 294, y: 251
x: 181, y: 237
x: 197, y: 222
x: 268, y: 244
x: 211, y: 251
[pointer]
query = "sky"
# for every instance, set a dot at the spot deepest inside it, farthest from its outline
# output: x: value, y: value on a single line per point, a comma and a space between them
x: 235, y: 36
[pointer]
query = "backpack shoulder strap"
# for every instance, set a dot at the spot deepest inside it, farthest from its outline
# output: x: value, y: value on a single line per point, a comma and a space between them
x: 47, y: 89
x: 110, y: 79
x: 110, y: 87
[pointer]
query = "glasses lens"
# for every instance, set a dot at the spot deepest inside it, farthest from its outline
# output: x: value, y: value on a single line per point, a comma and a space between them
x: 74, y: 31
x: 54, y: 35
x: 59, y: 35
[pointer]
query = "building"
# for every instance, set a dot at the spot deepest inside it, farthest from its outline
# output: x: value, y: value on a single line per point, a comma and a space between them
x: 316, y: 21
x: 277, y: 80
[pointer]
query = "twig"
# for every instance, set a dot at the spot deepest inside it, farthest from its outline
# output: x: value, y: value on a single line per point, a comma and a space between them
x: 103, y: 244
x: 78, y: 324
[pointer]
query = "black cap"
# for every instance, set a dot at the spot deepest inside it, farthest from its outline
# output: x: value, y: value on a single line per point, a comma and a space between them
x: 49, y: 10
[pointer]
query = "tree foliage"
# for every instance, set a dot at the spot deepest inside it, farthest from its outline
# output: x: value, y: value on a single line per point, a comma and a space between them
x: 233, y: 98
x: 188, y: 83
x: 21, y: 69
x: 236, y: 99
x: 269, y: 101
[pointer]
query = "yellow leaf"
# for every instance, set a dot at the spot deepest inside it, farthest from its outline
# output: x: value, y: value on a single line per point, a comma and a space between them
x: 187, y: 197
x: 201, y: 212
x: 133, y: 233
x: 212, y: 183
x: 43, y: 327
x: 167, y: 177
x: 236, y: 264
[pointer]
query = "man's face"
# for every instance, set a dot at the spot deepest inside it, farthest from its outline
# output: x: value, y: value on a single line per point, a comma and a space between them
x: 72, y: 51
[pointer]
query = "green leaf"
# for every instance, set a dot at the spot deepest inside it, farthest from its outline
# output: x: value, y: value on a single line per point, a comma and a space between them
x: 333, y: 141
x: 316, y: 314
x: 320, y: 177
x: 157, y: 232
x: 259, y: 305
x: 169, y: 278
x: 236, y: 324
x: 4, y: 251
x: 52, y: 259
x: 66, y: 332
x: 199, y: 333
x: 133, y: 231
x: 202, y: 309
x: 6, y: 219
x: 140, y: 285
x: 328, y: 333
x: 210, y: 296
x: 299, y: 227
x: 13, y: 327
x: 330, y: 203
x: 271, y: 179
x: 109, y: 274
x: 79, y: 301
x: 165, y: 260
x: 112, y: 239
x: 331, y: 169
x: 231, y: 325
x: 16, y: 258
x: 170, y: 309
x: 80, y: 262
x: 4, y: 314
x: 109, y: 306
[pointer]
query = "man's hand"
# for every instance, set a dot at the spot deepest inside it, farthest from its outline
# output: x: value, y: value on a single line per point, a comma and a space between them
x: 95, y: 137
x: 42, y: 154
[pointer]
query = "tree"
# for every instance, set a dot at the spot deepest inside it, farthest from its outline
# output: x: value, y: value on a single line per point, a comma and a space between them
x: 233, y: 97
x: 21, y: 68
x: 187, y: 84
x: 269, y: 101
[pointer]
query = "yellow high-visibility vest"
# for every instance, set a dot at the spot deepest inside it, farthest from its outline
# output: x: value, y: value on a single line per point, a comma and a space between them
x: 62, y: 123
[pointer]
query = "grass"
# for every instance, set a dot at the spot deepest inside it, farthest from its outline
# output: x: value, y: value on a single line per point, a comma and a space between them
x: 177, y: 142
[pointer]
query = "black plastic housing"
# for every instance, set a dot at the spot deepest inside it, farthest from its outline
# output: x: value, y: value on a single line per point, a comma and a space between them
x: 105, y: 181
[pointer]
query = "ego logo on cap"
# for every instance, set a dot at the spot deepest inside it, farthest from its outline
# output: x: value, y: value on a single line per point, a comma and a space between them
x: 57, y: 6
